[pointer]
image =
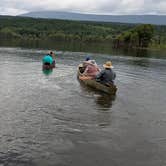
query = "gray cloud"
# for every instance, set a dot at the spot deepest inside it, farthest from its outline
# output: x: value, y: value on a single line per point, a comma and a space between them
x: 14, y: 7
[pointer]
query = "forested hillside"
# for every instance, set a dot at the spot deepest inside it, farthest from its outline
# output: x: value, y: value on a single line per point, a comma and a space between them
x: 64, y: 30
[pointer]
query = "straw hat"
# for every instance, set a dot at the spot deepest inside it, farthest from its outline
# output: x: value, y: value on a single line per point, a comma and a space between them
x: 108, y: 65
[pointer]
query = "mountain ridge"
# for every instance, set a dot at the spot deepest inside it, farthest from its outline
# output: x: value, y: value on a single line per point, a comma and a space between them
x: 136, y: 19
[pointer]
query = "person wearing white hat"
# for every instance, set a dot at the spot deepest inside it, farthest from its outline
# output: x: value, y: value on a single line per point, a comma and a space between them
x: 106, y: 76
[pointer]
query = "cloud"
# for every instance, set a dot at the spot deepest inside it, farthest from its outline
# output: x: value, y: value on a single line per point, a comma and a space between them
x: 11, y: 11
x: 14, y: 7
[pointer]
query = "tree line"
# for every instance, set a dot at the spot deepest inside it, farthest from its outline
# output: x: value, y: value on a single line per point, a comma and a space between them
x: 140, y: 36
x: 119, y: 34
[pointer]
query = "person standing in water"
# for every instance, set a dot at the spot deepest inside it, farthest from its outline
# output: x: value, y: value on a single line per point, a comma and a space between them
x: 52, y: 54
x: 47, y: 60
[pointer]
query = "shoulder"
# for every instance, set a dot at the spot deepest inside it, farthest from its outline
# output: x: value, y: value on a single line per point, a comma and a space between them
x: 102, y: 71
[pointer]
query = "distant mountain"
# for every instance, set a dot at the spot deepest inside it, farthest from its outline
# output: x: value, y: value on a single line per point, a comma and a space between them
x: 145, y: 19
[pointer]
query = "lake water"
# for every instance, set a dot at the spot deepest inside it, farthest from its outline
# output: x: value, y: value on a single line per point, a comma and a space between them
x: 50, y: 119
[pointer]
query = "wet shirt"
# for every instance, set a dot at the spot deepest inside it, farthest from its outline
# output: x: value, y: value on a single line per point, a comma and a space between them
x: 48, y: 59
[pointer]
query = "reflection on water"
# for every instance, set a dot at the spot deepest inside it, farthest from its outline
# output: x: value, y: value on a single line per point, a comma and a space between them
x: 105, y: 101
x: 47, y: 71
x: 136, y: 52
x: 105, y: 48
x: 144, y: 62
x: 104, y: 118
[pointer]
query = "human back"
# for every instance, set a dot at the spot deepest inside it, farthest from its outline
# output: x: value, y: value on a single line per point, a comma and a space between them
x: 47, y: 59
x: 107, y: 75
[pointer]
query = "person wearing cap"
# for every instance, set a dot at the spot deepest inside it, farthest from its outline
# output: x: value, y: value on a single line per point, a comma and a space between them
x: 87, y: 58
x: 107, y: 75
x: 86, y: 62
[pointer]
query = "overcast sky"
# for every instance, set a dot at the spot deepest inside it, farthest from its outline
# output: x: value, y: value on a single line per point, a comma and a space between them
x: 15, y: 7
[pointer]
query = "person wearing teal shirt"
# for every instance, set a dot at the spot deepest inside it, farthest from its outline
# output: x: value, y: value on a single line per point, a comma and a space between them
x: 47, y: 60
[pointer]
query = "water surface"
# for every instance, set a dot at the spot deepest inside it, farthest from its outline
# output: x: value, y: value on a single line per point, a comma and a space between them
x: 51, y: 119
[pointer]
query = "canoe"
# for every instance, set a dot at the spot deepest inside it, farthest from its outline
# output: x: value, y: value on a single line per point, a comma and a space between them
x: 109, y: 89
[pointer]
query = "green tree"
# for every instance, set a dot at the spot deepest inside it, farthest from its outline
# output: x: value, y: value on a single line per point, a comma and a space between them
x: 7, y: 33
x: 145, y: 34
